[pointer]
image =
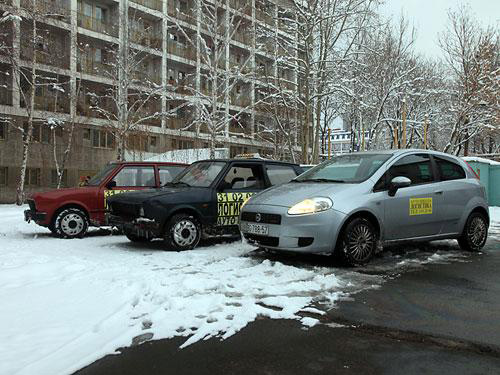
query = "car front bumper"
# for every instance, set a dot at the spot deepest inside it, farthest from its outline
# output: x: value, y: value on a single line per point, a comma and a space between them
x: 36, y: 216
x: 140, y: 226
x: 315, y: 233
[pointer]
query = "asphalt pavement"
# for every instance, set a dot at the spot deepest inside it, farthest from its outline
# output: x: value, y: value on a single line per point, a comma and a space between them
x: 442, y: 319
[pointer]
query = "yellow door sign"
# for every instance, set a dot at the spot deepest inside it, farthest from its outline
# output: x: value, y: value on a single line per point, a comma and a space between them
x: 420, y: 206
x: 110, y: 193
x: 229, y: 206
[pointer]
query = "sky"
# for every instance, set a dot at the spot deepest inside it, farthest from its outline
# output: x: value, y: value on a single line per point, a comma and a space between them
x: 430, y: 18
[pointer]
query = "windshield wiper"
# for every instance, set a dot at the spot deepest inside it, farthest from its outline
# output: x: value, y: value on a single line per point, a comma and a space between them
x: 177, y: 184
x: 322, y: 180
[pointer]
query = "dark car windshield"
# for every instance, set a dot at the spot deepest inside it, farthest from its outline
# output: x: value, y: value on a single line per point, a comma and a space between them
x: 351, y: 168
x: 199, y: 174
x: 101, y: 176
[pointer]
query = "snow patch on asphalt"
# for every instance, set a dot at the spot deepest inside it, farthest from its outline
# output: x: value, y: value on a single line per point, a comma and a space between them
x: 67, y: 303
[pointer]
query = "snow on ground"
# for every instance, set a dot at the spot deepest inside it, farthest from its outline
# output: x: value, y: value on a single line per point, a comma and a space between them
x: 67, y: 303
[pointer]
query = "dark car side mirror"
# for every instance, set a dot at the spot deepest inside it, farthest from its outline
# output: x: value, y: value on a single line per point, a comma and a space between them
x: 111, y: 184
x: 398, y: 183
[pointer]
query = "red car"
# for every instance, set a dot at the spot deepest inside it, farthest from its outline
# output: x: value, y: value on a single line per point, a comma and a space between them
x: 68, y: 213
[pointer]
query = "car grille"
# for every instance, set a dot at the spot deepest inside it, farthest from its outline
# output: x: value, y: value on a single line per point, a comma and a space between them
x: 264, y: 218
x: 32, y: 205
x: 262, y: 240
x: 125, y: 209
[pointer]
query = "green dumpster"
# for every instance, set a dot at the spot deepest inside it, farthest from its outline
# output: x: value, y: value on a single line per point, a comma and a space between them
x: 489, y: 174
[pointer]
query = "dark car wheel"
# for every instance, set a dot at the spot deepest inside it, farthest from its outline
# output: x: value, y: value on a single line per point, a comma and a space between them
x: 135, y: 238
x: 71, y: 223
x: 182, y: 232
x: 475, y: 232
x: 358, y: 242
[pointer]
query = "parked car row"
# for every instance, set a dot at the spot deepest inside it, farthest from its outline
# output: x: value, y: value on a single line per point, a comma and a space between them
x: 349, y: 206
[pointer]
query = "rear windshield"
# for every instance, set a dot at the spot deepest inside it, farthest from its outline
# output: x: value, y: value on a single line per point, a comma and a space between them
x: 351, y: 168
x: 101, y: 176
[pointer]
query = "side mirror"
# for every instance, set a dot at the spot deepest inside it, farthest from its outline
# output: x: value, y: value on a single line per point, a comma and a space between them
x: 398, y: 183
x: 111, y: 184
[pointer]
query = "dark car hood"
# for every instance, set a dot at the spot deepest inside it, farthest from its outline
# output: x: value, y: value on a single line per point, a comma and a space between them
x: 141, y: 196
x: 292, y: 193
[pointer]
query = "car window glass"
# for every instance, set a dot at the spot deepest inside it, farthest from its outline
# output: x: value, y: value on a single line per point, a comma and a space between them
x: 99, y: 177
x: 135, y: 176
x: 280, y: 174
x: 243, y: 177
x: 168, y: 173
x: 415, y: 167
x: 200, y: 174
x: 449, y: 170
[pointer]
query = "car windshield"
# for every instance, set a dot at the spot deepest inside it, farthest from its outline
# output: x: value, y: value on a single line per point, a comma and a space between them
x: 199, y: 174
x: 101, y: 176
x: 351, y: 168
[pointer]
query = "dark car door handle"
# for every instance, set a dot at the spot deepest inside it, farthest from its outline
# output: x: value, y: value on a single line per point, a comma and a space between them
x: 440, y: 192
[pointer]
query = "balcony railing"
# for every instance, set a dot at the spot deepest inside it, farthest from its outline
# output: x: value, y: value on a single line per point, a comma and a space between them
x: 54, y: 58
x: 151, y: 4
x: 89, y: 66
x: 98, y: 25
x: 145, y: 39
x: 181, y: 50
x: 59, y: 9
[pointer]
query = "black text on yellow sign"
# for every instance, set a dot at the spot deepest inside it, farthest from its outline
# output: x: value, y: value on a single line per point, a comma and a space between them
x: 229, y: 207
x: 420, y: 206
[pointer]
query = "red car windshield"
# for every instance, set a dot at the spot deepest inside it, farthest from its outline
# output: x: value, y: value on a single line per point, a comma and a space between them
x: 101, y: 176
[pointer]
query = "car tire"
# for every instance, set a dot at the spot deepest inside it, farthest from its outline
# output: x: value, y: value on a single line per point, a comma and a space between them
x: 135, y: 238
x: 71, y: 223
x: 182, y: 232
x: 358, y: 242
x: 475, y: 232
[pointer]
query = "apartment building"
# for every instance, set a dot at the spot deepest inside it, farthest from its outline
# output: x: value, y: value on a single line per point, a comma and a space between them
x: 73, y: 53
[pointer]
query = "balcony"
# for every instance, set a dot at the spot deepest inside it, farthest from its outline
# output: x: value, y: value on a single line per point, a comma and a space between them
x: 97, y: 25
x: 85, y: 108
x: 57, y: 9
x: 145, y: 77
x: 46, y: 58
x: 144, y: 38
x: 177, y: 14
x: 243, y: 37
x: 243, y: 6
x: 264, y: 16
x: 242, y: 100
x: 181, y: 51
x: 96, y: 68
x: 151, y: 4
x: 49, y: 103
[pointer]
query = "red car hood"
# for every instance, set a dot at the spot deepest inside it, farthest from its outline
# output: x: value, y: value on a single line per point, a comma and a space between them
x: 64, y: 193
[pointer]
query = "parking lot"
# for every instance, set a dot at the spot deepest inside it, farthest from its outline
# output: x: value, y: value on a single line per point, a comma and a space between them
x: 226, y: 308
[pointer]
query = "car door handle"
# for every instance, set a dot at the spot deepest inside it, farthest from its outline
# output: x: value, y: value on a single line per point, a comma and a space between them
x: 439, y: 192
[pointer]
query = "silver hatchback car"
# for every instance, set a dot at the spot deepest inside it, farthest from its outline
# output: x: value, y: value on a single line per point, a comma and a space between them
x: 354, y: 204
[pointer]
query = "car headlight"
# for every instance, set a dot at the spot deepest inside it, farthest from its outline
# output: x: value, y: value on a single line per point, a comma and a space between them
x: 141, y: 212
x: 311, y: 206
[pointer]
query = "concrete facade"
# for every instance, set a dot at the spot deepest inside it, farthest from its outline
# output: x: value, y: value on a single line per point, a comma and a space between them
x: 73, y: 51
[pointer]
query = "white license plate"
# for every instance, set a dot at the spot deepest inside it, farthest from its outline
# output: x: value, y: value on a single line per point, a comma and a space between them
x: 257, y: 229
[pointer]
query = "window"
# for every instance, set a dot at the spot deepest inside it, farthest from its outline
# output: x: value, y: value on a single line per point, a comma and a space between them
x: 101, y: 139
x: 135, y: 176
x: 415, y: 167
x: 185, y: 145
x: 243, y: 177
x: 41, y: 133
x: 3, y: 176
x: 449, y: 170
x: 200, y: 174
x: 87, y: 9
x: 98, y: 55
x: 100, y: 13
x: 280, y: 174
x: 3, y: 130
x: 168, y: 173
x: 54, y: 178
x: 153, y: 141
x: 32, y: 177
x: 86, y: 134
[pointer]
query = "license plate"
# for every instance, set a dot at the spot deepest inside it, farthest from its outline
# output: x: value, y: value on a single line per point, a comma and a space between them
x: 256, y: 229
